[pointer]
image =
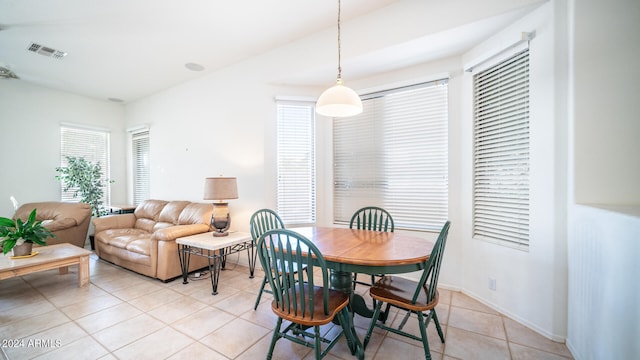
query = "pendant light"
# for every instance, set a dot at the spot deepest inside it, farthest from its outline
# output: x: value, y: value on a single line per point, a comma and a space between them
x: 339, y: 100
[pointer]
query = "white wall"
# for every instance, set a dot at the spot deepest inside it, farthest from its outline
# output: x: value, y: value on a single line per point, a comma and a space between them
x: 604, y: 247
x: 30, y: 118
x: 213, y: 126
x: 530, y: 284
x: 607, y: 90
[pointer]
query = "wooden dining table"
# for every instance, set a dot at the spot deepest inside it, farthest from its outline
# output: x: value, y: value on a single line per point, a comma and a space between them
x: 365, y: 251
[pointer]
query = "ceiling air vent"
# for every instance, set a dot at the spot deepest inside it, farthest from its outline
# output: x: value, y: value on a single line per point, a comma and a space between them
x: 46, y: 51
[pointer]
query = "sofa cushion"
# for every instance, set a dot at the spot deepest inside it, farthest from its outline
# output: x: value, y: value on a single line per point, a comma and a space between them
x: 135, y: 240
x: 148, y: 213
x: 140, y: 245
x: 170, y: 214
x: 196, y: 213
x: 145, y: 225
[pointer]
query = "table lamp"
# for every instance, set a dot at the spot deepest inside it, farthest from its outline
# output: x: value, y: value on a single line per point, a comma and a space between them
x: 220, y: 189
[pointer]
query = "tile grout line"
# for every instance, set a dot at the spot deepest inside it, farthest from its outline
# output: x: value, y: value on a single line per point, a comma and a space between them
x: 506, y: 336
x: 57, y: 308
x: 446, y: 331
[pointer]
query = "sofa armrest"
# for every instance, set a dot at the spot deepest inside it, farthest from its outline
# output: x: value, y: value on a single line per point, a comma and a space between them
x: 124, y: 221
x: 174, y: 232
x: 57, y: 225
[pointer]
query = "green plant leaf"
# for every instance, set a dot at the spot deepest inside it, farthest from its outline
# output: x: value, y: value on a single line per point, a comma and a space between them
x: 7, y: 245
x: 84, y: 178
x: 30, y: 231
x: 32, y: 216
x: 6, y: 222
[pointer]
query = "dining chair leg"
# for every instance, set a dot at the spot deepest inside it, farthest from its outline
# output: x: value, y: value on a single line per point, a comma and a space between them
x: 373, y: 281
x: 345, y: 324
x: 355, y: 278
x: 376, y: 314
x: 404, y: 320
x: 385, y: 313
x: 264, y: 282
x: 318, y: 347
x: 274, y: 338
x: 423, y: 335
x: 435, y: 320
x: 356, y: 348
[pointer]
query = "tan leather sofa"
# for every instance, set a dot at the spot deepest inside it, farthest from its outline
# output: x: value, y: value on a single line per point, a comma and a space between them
x: 69, y: 222
x: 144, y: 241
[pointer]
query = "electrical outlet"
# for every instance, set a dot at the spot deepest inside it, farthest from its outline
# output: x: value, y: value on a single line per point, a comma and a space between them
x: 492, y: 284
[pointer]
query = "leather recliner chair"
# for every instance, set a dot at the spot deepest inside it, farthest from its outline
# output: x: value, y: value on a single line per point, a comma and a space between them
x: 69, y: 222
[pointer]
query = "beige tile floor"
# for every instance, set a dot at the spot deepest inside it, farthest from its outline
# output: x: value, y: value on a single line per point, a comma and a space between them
x: 123, y: 315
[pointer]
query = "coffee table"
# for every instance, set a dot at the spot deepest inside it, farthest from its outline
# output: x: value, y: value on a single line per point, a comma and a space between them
x: 59, y: 256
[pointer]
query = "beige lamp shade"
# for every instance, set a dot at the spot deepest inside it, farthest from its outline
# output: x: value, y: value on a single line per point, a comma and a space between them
x: 220, y: 188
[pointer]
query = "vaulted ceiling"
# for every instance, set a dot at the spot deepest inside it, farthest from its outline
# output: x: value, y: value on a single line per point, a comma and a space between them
x: 129, y: 49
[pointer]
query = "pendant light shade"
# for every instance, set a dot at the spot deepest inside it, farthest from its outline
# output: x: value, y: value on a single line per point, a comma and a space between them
x: 339, y: 100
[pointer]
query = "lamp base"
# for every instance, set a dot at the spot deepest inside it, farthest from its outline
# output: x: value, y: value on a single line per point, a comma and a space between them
x: 220, y: 233
x: 220, y: 219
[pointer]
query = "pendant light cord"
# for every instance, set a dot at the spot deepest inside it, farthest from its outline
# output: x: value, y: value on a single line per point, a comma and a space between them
x: 339, y: 66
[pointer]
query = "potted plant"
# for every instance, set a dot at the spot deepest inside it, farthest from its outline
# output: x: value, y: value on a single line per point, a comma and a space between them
x: 19, y: 236
x: 84, y: 178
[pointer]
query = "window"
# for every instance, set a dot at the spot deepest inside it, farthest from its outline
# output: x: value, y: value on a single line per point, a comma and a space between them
x: 501, y: 152
x: 394, y: 155
x: 296, y: 187
x: 140, y: 165
x: 88, y: 143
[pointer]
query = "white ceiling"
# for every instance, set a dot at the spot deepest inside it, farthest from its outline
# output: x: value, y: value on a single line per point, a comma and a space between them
x: 128, y: 49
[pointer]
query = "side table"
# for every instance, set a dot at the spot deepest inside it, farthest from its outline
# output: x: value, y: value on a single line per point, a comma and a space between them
x: 121, y: 209
x: 216, y: 250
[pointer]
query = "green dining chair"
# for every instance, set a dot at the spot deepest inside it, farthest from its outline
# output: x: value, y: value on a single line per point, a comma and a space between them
x: 262, y: 221
x: 418, y: 298
x: 370, y: 218
x: 305, y: 302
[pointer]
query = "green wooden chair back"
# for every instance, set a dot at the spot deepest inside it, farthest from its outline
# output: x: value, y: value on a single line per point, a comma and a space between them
x: 282, y: 250
x: 372, y: 218
x: 429, y: 279
x: 262, y: 221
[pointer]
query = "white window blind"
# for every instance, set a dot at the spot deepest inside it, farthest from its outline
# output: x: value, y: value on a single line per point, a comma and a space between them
x: 394, y: 155
x: 501, y: 152
x: 90, y: 144
x: 296, y: 188
x: 140, y: 164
